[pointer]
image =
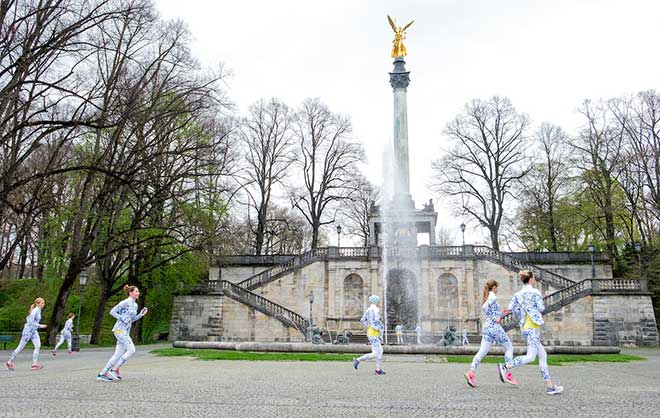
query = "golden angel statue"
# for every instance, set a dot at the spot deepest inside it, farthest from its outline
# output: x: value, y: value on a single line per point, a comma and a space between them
x: 398, y: 49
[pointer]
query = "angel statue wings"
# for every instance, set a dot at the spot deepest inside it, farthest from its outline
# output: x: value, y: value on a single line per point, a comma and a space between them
x: 398, y: 49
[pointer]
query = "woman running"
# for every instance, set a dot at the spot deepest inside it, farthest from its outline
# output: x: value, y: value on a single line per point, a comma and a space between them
x: 491, y: 333
x: 375, y: 329
x: 528, y: 305
x: 65, y: 334
x: 30, y: 333
x: 126, y: 312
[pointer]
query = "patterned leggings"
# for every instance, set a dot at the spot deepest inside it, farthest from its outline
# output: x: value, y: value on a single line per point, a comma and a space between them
x: 64, y: 336
x: 376, y: 352
x: 534, y: 348
x: 489, y: 336
x: 26, y: 338
x: 123, y: 351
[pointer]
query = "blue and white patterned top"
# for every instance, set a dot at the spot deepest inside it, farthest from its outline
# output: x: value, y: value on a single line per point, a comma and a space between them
x: 491, y: 308
x: 528, y: 301
x: 371, y: 318
x: 68, y: 326
x: 32, y: 321
x: 126, y: 312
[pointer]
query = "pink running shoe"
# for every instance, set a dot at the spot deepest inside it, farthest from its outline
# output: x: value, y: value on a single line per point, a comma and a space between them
x: 37, y: 366
x: 469, y: 377
x: 510, y: 379
x: 10, y: 366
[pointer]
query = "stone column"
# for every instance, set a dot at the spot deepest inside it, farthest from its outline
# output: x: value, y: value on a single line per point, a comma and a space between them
x: 399, y: 80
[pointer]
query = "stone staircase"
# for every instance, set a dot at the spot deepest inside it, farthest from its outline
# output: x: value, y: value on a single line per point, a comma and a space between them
x: 578, y: 290
x: 283, y: 269
x: 569, y: 290
x: 542, y: 275
x: 286, y: 316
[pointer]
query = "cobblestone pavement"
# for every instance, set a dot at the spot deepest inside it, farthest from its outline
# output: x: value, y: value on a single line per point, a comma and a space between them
x: 184, y: 387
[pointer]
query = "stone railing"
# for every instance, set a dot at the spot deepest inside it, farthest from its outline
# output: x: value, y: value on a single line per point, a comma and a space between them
x: 278, y: 271
x: 351, y: 252
x: 557, y: 300
x: 509, y: 261
x: 538, y: 257
x: 543, y: 275
x: 260, y: 303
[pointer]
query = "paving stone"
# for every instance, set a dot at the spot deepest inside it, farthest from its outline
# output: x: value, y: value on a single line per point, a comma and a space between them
x: 184, y: 387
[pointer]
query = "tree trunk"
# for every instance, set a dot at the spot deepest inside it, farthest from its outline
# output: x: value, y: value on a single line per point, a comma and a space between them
x: 100, y: 313
x: 494, y: 239
x: 315, y: 234
x: 75, y: 267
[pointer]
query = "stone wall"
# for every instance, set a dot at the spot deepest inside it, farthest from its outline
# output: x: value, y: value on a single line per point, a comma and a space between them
x: 220, y: 318
x: 196, y: 318
x: 624, y: 319
x: 449, y: 291
x: 243, y: 323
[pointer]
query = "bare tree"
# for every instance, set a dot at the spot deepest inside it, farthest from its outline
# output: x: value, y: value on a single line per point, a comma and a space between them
x: 445, y: 236
x: 598, y: 154
x: 356, y: 209
x: 547, y: 183
x: 267, y: 139
x: 640, y: 119
x: 327, y: 160
x: 487, y: 158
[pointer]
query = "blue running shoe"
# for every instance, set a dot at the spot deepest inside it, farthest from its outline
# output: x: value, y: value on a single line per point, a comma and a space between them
x: 356, y: 363
x: 104, y: 377
x: 380, y: 372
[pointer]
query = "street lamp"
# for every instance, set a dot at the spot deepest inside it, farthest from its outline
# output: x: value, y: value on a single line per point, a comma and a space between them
x: 463, y: 232
x: 592, y: 249
x: 311, y: 302
x: 82, y: 277
x: 338, y: 236
x: 638, y: 250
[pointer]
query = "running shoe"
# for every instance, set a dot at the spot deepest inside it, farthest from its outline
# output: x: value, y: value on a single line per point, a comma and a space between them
x: 356, y: 363
x: 10, y: 366
x: 104, y: 377
x: 510, y: 379
x: 469, y: 377
x: 554, y: 390
x: 114, y: 374
x: 501, y: 372
x: 380, y: 372
x: 53, y: 352
x: 37, y: 366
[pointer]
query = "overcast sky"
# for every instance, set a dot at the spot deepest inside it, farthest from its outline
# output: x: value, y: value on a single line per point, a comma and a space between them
x: 547, y: 56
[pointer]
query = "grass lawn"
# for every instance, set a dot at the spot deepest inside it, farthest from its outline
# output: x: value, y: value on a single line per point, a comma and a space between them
x: 209, y: 354
x: 559, y: 359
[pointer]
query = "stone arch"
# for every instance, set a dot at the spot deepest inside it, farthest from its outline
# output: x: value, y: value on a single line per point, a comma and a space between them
x: 401, y: 301
x: 353, y: 295
x: 447, y: 299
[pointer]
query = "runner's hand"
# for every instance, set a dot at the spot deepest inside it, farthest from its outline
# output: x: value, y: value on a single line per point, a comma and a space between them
x: 144, y: 311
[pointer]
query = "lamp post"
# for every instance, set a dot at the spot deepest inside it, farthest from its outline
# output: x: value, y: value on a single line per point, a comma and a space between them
x: 338, y: 236
x: 592, y: 249
x: 82, y: 277
x: 311, y: 302
x: 463, y: 232
x: 638, y: 250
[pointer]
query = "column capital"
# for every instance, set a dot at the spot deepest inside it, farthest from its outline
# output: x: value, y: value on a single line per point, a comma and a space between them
x: 399, y: 77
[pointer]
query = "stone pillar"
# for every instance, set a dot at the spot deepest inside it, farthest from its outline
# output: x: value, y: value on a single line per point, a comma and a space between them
x: 399, y: 80
x: 332, y: 289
